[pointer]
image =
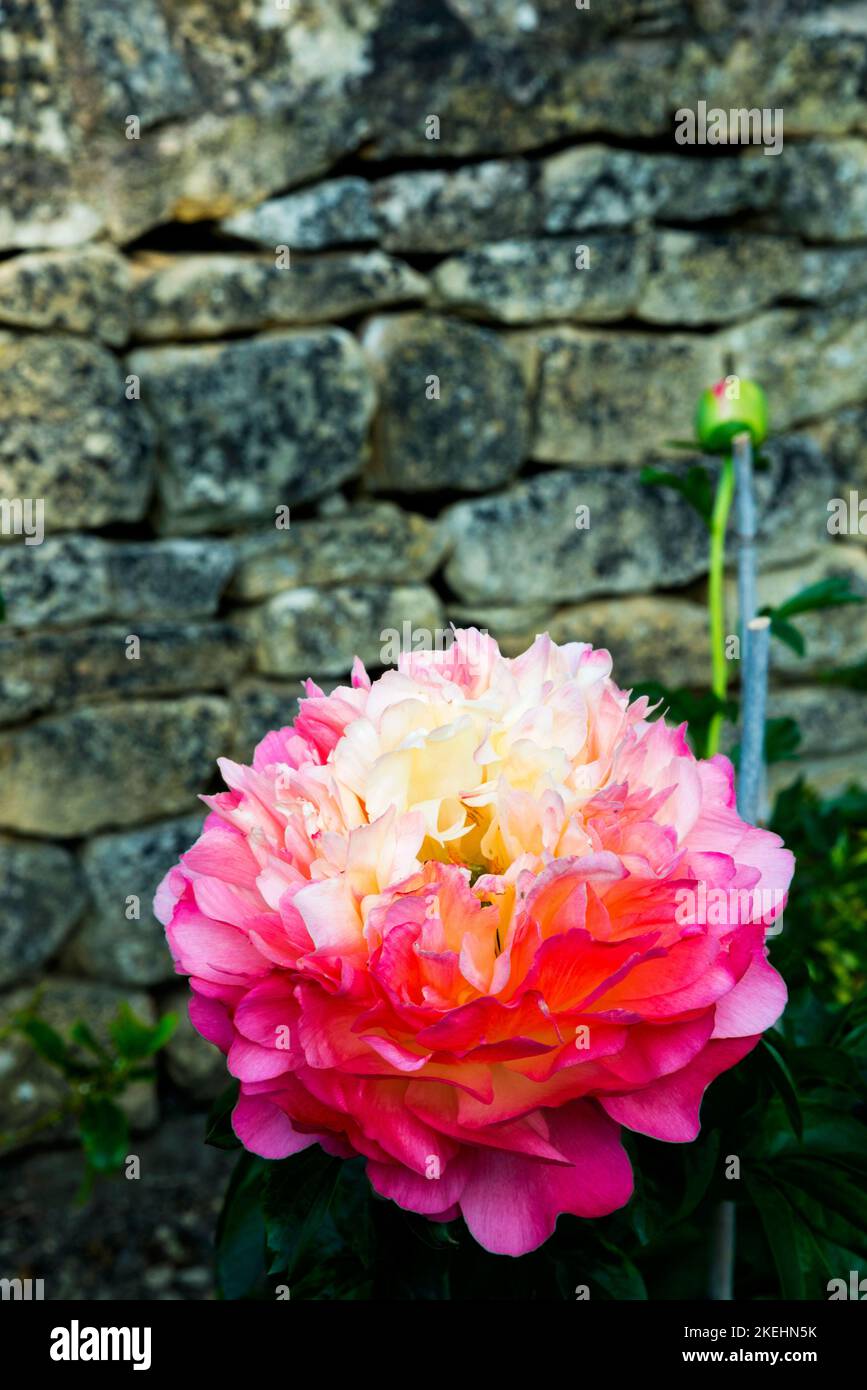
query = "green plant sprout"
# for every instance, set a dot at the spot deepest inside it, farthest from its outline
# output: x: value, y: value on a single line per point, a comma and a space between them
x: 97, y: 1074
x: 734, y: 409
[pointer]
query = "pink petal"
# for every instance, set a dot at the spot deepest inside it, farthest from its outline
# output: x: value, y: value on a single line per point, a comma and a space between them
x: 210, y: 1018
x: 223, y: 853
x: 669, y: 1108
x: 428, y: 1196
x: 265, y: 1010
x: 265, y: 1130
x: 511, y: 1203
x: 754, y: 1004
x: 212, y: 950
x: 250, y: 1062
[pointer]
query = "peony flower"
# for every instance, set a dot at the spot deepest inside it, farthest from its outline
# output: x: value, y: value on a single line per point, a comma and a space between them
x: 444, y: 921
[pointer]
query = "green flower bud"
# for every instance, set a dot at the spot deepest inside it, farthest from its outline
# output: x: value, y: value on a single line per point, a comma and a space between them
x: 728, y: 408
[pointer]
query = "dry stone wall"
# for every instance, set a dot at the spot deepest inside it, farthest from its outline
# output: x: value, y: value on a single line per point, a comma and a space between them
x: 321, y: 256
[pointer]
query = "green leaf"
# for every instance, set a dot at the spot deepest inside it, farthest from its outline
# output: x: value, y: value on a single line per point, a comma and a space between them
x: 699, y: 1173
x: 297, y: 1195
x: 814, y: 1262
x: 830, y: 1065
x: 47, y: 1042
x: 351, y: 1212
x: 832, y: 1232
x: 320, y: 1230
x: 787, y: 633
x: 241, y: 1230
x: 833, y: 1188
x: 829, y: 1135
x: 134, y: 1039
x: 694, y: 485
x: 104, y: 1134
x: 83, y: 1034
x: 618, y: 1278
x: 811, y: 1231
x: 784, y: 1083
x: 218, y: 1127
x: 782, y: 739
x: 826, y: 593
x: 852, y: 677
x: 779, y: 1224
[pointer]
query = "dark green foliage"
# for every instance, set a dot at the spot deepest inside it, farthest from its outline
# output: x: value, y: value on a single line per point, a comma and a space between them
x: 96, y: 1074
x: 218, y: 1131
x: 827, y: 593
x: 241, y: 1232
x: 824, y: 946
x: 695, y: 485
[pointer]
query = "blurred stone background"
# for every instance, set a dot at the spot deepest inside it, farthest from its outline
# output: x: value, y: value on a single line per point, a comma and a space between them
x: 231, y: 261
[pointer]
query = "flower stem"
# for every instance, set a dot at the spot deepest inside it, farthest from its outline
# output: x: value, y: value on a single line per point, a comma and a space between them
x: 742, y: 453
x: 753, y: 705
x: 723, y: 1232
x: 716, y: 596
x: 720, y: 1284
